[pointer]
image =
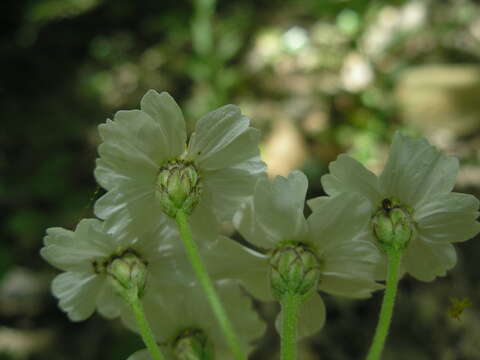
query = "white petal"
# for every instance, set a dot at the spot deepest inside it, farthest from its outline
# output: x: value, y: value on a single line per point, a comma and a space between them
x: 317, y: 202
x: 245, y: 222
x: 311, y: 318
x: 69, y: 250
x: 135, y: 207
x: 242, y: 315
x: 228, y: 189
x: 242, y: 148
x: 339, y: 219
x: 227, y: 259
x: 355, y: 259
x: 415, y: 171
x: 134, y: 147
x: 215, y: 131
x: 351, y: 287
x: 165, y: 111
x: 425, y: 260
x: 77, y: 293
x: 140, y: 355
x: 448, y: 217
x: 348, y: 175
x: 279, y: 206
x: 109, y: 303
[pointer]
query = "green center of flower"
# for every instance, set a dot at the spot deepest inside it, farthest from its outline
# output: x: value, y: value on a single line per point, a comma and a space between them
x: 294, y: 270
x: 178, y: 187
x: 192, y: 344
x: 126, y: 271
x: 393, y: 225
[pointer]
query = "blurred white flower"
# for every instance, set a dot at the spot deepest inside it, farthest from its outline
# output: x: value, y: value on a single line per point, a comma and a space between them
x: 295, y: 38
x: 356, y: 73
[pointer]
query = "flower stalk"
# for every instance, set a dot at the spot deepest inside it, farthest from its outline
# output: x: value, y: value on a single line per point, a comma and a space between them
x: 381, y: 333
x: 195, y: 260
x: 290, y: 308
x: 127, y: 274
x: 145, y: 330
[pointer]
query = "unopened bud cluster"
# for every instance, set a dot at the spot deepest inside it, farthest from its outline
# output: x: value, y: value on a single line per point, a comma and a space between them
x: 393, y: 226
x: 127, y: 274
x: 295, y: 270
x: 192, y: 345
x: 178, y: 188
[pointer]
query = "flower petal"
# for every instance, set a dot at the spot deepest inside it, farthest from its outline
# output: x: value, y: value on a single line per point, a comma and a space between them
x: 77, y: 293
x: 246, y: 224
x: 317, y: 202
x: 130, y: 207
x: 448, y: 217
x: 109, y: 303
x: 244, y: 318
x: 242, y: 148
x: 349, y: 175
x: 68, y: 250
x: 415, y: 171
x: 351, y: 287
x: 227, y: 259
x: 425, y: 260
x: 215, y: 131
x: 337, y: 220
x: 140, y: 355
x: 134, y: 147
x: 279, y: 206
x: 228, y: 189
x: 355, y: 259
x: 165, y: 111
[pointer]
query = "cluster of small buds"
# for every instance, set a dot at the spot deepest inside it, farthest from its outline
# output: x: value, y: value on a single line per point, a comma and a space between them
x: 393, y: 226
x: 295, y: 270
x: 127, y: 274
x: 178, y: 188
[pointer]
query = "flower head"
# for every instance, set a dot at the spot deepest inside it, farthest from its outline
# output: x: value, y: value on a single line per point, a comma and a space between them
x: 99, y: 266
x: 185, y: 325
x: 291, y: 253
x: 416, y: 184
x: 150, y: 172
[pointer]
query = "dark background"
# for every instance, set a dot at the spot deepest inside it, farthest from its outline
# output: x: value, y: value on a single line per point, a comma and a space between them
x: 317, y: 77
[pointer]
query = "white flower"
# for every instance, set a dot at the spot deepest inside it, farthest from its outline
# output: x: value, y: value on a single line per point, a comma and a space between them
x: 138, y: 145
x: 85, y: 255
x: 274, y: 220
x: 185, y: 316
x: 418, y: 180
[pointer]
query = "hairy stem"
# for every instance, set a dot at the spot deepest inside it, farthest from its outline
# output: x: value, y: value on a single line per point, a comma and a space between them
x: 145, y: 331
x: 195, y: 260
x: 383, y: 326
x: 290, y: 309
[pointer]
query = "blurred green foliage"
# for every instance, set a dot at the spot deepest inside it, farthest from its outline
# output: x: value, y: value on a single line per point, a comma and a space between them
x: 344, y: 74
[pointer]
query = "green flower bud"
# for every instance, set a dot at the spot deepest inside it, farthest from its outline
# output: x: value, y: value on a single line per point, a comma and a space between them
x: 178, y: 188
x: 128, y: 274
x: 294, y: 270
x: 192, y: 345
x: 393, y: 226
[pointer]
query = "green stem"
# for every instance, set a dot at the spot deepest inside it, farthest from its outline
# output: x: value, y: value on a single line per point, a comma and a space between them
x: 381, y: 333
x: 145, y: 331
x: 195, y: 260
x: 290, y: 308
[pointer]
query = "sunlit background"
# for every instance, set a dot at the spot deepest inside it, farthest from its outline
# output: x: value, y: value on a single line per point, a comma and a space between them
x: 317, y: 77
